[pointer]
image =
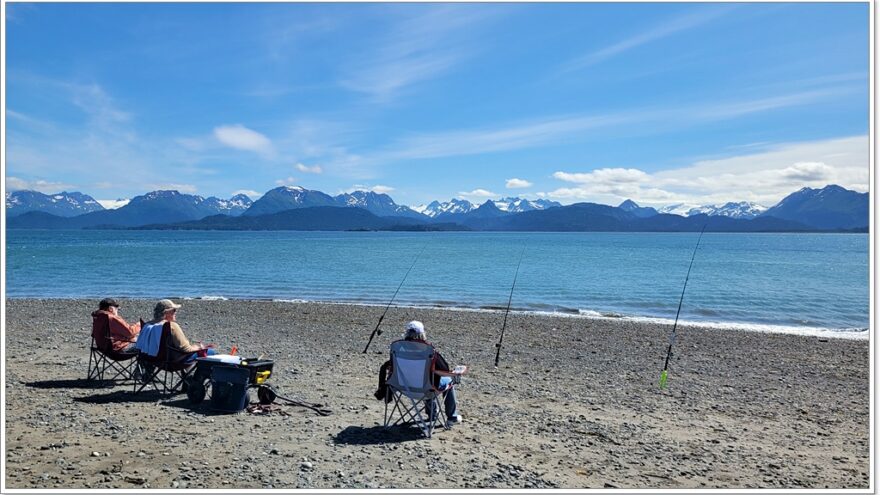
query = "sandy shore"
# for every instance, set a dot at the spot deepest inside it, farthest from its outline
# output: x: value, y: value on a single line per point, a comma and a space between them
x: 574, y: 404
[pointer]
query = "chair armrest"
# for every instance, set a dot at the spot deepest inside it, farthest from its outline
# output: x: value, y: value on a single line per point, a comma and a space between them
x: 458, y: 371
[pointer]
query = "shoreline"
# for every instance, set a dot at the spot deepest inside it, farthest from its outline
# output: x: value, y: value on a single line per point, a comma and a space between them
x: 856, y: 333
x: 574, y: 403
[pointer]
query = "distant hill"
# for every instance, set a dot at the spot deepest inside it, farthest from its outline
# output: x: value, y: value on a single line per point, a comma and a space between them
x: 378, y: 204
x: 309, y: 218
x: 288, y: 198
x: 639, y: 211
x: 63, y: 204
x: 831, y: 207
x: 592, y: 217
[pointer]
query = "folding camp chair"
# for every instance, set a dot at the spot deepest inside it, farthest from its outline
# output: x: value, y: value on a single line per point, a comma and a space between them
x: 173, y: 365
x: 106, y: 364
x: 410, y: 389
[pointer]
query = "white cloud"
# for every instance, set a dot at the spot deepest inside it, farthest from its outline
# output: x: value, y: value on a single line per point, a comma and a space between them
x: 240, y: 137
x: 316, y: 169
x: 43, y: 186
x: 112, y: 204
x: 286, y: 182
x: 517, y: 183
x: 764, y: 177
x: 379, y: 189
x: 171, y: 186
x: 477, y: 195
x: 247, y: 192
x: 605, y: 175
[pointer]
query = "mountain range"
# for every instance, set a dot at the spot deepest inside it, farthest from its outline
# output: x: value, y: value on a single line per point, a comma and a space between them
x: 63, y: 204
x: 831, y: 208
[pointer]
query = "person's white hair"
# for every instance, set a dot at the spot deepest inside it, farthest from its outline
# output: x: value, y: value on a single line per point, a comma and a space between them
x: 414, y: 329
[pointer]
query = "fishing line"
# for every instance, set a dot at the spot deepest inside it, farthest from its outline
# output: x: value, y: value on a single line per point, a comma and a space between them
x: 376, y: 330
x: 664, y: 373
x: 510, y: 298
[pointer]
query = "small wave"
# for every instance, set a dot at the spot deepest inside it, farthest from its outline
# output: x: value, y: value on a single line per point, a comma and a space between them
x: 296, y: 301
x: 212, y: 298
x: 570, y: 311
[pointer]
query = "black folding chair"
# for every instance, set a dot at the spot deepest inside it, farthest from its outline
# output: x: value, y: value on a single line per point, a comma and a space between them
x: 173, y: 366
x: 105, y: 364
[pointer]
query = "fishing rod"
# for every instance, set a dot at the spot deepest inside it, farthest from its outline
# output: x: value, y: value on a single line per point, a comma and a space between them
x: 510, y: 298
x: 376, y: 330
x: 664, y: 373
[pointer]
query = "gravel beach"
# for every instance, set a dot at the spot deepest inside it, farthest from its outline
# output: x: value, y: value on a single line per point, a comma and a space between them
x: 573, y: 404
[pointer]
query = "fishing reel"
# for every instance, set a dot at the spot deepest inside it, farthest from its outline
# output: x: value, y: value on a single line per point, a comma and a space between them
x: 379, y: 332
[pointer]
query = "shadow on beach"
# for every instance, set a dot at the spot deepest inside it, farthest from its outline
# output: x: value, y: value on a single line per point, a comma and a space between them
x: 377, y: 435
x: 178, y: 401
x: 75, y: 383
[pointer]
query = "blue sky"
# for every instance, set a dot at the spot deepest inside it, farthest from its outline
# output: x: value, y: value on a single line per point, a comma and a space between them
x: 660, y: 103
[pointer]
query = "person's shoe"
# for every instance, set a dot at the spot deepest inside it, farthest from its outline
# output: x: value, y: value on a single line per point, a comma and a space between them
x: 456, y: 419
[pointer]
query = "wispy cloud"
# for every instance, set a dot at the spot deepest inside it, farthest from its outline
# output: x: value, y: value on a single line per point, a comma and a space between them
x: 103, y: 143
x: 247, y: 192
x: 417, y: 48
x: 289, y: 181
x: 662, y: 30
x: 315, y: 169
x: 378, y: 188
x: 763, y: 177
x: 477, y: 195
x: 240, y: 137
x: 43, y: 186
x: 173, y: 186
x: 555, y: 129
x: 515, y: 183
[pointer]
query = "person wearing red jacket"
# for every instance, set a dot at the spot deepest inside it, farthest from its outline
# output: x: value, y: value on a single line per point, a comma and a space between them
x: 122, y: 334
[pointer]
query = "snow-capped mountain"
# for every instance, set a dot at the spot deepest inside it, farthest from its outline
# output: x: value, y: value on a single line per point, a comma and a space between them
x: 63, y: 204
x: 516, y: 205
x: 233, y: 206
x: 743, y: 209
x: 435, y: 209
x: 112, y: 204
x: 451, y: 207
x: 378, y: 204
x: 677, y: 209
x: 289, y: 198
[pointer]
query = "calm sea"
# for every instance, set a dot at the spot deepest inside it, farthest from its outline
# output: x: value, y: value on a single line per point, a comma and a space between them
x: 782, y: 282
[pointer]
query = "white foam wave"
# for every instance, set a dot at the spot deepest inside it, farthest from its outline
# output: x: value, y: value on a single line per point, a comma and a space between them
x: 846, y: 333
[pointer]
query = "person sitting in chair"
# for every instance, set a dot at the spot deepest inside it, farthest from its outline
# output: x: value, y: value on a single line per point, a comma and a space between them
x: 166, y: 312
x: 122, y: 335
x: 415, y: 330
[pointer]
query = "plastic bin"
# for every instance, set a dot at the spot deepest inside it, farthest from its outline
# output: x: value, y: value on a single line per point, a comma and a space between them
x: 229, y: 386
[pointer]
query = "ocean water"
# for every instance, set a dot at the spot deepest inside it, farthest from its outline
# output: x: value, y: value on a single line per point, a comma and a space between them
x: 773, y: 282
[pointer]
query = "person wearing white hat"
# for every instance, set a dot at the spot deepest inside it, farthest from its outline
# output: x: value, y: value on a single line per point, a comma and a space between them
x: 166, y: 312
x: 415, y: 330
